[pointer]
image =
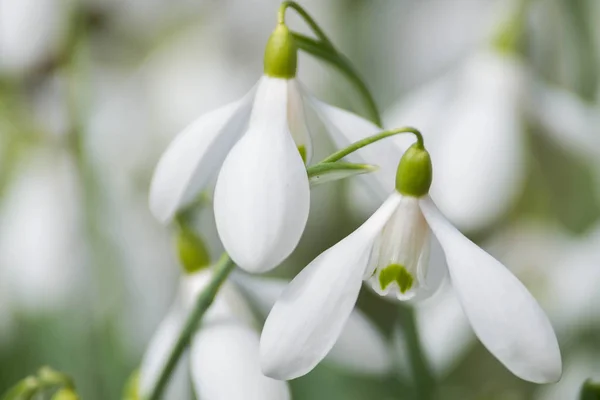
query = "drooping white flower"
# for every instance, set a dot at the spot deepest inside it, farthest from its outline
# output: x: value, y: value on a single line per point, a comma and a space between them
x: 224, y: 357
x: 257, y: 146
x: 30, y: 32
x: 390, y: 251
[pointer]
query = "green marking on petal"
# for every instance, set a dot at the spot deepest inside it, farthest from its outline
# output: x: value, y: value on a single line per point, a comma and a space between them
x: 396, y: 273
x: 302, y: 150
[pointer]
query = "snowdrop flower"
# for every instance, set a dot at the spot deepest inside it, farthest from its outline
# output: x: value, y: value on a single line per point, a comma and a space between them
x: 225, y: 348
x: 391, y: 252
x: 472, y: 121
x: 223, y: 351
x: 259, y: 144
x: 30, y: 31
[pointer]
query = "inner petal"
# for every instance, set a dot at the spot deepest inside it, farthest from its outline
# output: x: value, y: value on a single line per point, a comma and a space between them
x: 297, y: 121
x: 401, y: 257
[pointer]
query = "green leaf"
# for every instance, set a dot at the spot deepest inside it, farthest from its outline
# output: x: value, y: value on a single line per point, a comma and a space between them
x: 329, y: 172
x: 327, y: 53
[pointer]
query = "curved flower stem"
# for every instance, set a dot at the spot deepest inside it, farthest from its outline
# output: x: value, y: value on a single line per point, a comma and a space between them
x: 423, y: 378
x: 338, y: 60
x: 325, y: 50
x: 306, y: 17
x: 372, y: 139
x: 220, y: 272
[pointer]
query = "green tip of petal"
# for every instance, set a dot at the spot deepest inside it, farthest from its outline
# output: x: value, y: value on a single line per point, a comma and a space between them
x: 396, y: 273
x: 415, y: 172
x: 302, y: 151
x: 281, y: 54
x: 192, y: 252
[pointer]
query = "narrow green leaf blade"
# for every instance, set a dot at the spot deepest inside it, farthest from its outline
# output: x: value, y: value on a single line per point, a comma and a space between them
x: 329, y: 172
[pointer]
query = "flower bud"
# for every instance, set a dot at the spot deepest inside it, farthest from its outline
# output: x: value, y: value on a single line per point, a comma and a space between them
x: 590, y: 390
x: 192, y: 252
x: 65, y: 394
x: 281, y: 54
x: 414, y: 174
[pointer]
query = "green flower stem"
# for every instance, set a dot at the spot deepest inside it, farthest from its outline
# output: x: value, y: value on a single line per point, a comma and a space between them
x: 325, y: 50
x: 306, y: 17
x: 372, y: 139
x: 220, y: 272
x: 339, y: 61
x: 423, y: 378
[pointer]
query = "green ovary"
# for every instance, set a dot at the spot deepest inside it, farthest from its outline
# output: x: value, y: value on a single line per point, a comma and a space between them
x: 396, y: 273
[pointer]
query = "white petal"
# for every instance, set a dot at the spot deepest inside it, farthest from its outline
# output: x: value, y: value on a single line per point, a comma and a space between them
x: 310, y: 315
x: 361, y: 348
x: 195, y: 156
x: 346, y: 128
x: 160, y: 347
x: 225, y: 364
x: 262, y: 195
x: 503, y: 314
x: 478, y: 158
x: 297, y: 119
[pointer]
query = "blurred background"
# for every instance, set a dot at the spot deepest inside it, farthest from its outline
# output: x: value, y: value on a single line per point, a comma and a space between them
x: 92, y: 91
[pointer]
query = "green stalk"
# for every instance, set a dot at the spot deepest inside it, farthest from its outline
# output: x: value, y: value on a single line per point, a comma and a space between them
x: 205, y: 299
x: 339, y: 61
x: 325, y: 50
x: 424, y: 381
x: 306, y: 17
x: 372, y: 139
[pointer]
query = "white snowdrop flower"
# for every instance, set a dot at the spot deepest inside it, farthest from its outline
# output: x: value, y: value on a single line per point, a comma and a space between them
x: 390, y: 251
x: 259, y: 144
x: 40, y: 239
x: 258, y: 147
x: 225, y: 349
x: 471, y: 119
x: 30, y: 31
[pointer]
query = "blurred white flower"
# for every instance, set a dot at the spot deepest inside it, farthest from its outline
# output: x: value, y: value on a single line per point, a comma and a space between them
x: 224, y: 351
x: 471, y: 119
x: 41, y: 253
x: 224, y: 355
x: 30, y: 32
x: 307, y: 319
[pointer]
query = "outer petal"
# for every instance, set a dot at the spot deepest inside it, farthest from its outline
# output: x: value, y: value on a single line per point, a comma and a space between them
x: 262, y: 195
x: 195, y: 156
x: 479, y: 157
x: 361, y: 348
x: 346, y: 128
x: 503, y: 314
x: 225, y: 364
x: 310, y: 315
